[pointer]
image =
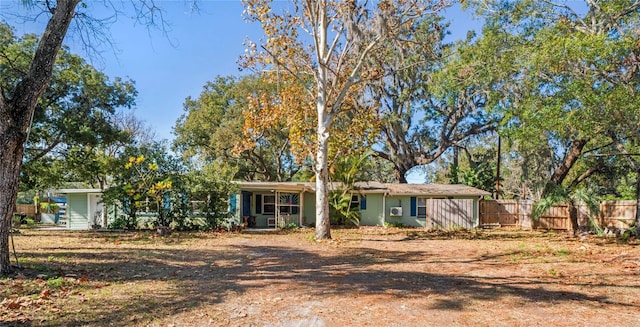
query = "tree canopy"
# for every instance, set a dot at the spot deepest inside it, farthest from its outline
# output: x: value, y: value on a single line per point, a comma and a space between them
x: 74, y: 118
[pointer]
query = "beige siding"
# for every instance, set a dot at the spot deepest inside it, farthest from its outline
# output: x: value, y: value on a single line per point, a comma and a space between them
x: 450, y: 214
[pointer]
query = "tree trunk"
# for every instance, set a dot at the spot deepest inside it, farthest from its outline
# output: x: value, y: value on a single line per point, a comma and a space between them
x: 573, y: 217
x: 104, y: 210
x: 15, y: 116
x: 10, y: 164
x: 400, y: 174
x: 401, y: 166
x: 562, y: 171
x: 323, y: 224
x: 456, y: 164
x: 637, y: 222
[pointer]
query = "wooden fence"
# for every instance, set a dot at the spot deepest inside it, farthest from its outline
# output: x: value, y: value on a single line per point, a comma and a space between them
x: 518, y: 213
x: 616, y: 214
x: 26, y: 209
x: 507, y: 213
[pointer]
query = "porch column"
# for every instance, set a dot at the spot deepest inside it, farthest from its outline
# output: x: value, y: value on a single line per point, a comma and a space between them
x: 277, y: 213
x: 301, y: 208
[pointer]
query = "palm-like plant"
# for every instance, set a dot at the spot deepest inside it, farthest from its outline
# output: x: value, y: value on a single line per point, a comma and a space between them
x: 572, y: 198
x: 347, y: 170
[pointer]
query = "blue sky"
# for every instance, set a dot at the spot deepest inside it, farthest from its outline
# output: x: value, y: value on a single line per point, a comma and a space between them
x: 167, y: 69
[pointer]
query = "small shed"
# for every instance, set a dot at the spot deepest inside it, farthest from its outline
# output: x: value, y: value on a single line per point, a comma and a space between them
x: 84, y: 208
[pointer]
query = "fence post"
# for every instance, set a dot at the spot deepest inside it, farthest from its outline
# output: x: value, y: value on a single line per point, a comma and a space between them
x: 518, y: 224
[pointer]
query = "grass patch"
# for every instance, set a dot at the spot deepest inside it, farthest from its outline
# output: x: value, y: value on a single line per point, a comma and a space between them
x: 56, y: 283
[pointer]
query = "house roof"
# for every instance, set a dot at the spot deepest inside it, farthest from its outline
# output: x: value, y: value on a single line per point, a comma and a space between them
x: 435, y: 190
x: 372, y: 187
x: 275, y: 186
x: 78, y: 190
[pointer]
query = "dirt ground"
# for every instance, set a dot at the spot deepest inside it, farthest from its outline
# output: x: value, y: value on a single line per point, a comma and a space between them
x: 363, y: 277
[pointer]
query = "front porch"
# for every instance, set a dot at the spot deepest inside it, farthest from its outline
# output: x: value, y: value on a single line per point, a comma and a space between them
x: 272, y: 206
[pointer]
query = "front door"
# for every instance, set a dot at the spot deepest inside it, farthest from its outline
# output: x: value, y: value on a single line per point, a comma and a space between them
x: 246, y: 203
x: 96, y: 211
x: 288, y: 210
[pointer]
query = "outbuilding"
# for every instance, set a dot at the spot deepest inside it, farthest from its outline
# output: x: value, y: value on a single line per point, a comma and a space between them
x: 84, y: 208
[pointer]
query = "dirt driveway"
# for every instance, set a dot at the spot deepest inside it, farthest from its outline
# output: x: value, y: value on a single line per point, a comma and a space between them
x: 363, y: 277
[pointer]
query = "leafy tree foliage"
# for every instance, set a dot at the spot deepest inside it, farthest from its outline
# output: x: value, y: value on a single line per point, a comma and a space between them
x: 211, y: 131
x: 147, y: 179
x: 73, y: 118
x: 347, y: 171
x: 211, y: 188
x: 426, y: 104
x: 479, y: 171
x: 565, y: 75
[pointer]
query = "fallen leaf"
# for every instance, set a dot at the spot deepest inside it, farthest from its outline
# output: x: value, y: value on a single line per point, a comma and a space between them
x: 45, y: 294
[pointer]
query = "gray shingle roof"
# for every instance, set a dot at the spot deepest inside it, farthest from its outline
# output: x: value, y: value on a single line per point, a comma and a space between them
x: 375, y: 187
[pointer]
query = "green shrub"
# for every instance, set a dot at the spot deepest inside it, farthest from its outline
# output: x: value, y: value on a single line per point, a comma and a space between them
x: 340, y: 210
x: 630, y: 232
x: 118, y: 223
x: 394, y: 224
x: 56, y: 283
x: 290, y: 226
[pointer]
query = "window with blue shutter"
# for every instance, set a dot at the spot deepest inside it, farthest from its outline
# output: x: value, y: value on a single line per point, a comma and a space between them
x: 258, y: 203
x: 413, y: 206
x: 363, y: 202
x: 232, y: 204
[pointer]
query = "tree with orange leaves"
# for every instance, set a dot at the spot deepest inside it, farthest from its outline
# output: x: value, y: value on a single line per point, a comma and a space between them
x: 325, y: 45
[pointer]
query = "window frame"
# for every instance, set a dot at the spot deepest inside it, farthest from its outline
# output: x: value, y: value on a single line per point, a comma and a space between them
x: 354, y: 204
x: 265, y: 204
x: 421, y: 206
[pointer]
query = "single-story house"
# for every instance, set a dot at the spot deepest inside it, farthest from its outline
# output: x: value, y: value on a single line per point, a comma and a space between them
x: 433, y: 206
x: 84, y: 208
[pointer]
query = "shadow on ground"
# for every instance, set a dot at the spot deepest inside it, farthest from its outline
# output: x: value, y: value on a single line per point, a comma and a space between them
x: 165, y: 277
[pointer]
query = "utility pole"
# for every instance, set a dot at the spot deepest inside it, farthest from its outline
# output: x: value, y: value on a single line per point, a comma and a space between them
x: 498, y: 171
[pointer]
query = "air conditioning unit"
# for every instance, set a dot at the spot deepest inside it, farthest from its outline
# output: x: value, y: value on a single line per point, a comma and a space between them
x: 395, y: 212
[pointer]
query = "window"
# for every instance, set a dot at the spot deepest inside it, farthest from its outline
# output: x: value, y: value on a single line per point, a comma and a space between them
x: 422, y: 208
x: 269, y: 204
x: 289, y: 203
x: 355, y: 202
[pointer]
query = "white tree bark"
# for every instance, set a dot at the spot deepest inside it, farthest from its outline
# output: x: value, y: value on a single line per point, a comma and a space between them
x: 323, y: 229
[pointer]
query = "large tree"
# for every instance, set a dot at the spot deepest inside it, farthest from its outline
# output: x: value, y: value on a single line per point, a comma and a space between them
x: 330, y: 41
x: 559, y: 64
x: 426, y: 106
x: 18, y: 102
x: 76, y: 115
x: 211, y: 130
x: 17, y: 105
